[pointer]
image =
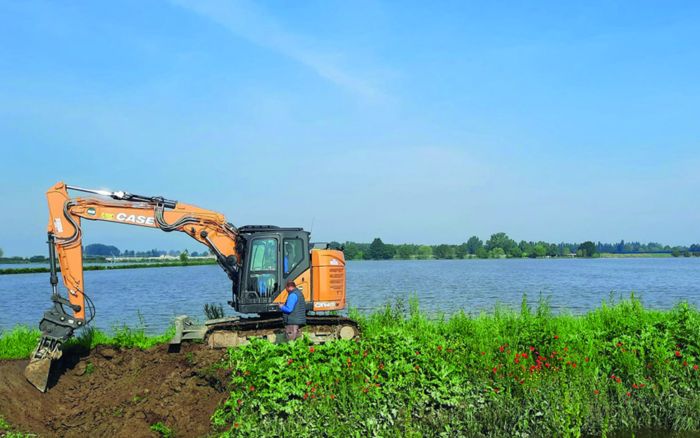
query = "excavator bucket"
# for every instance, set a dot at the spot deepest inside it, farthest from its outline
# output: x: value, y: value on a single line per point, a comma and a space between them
x: 37, y: 372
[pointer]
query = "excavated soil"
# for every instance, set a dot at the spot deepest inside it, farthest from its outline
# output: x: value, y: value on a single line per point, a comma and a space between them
x: 118, y: 392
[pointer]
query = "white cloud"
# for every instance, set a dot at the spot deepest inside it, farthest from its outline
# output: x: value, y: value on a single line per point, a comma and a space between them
x: 256, y: 25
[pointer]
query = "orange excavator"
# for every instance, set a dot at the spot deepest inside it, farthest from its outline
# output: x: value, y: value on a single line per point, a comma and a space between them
x: 259, y: 260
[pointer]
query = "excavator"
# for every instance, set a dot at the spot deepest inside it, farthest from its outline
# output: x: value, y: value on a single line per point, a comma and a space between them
x: 258, y: 259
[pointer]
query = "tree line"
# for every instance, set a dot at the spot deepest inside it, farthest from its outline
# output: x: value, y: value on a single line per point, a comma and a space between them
x: 500, y: 245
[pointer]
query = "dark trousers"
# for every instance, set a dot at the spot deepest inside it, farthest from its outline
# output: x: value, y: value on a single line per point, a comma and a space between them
x: 293, y: 332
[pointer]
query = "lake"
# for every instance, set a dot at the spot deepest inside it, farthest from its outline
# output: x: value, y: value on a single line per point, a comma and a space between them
x: 576, y: 285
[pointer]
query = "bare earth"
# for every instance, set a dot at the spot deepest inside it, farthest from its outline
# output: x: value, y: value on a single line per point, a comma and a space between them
x: 127, y: 391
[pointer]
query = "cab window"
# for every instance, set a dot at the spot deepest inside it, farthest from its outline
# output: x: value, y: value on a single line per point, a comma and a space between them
x: 263, y: 266
x: 293, y: 254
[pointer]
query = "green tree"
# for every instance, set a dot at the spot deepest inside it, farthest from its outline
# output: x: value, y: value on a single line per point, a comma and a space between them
x: 351, y: 251
x: 500, y: 240
x: 498, y: 253
x: 2, y: 253
x: 687, y: 254
x: 516, y: 252
x: 378, y: 250
x: 184, y: 256
x: 443, y: 251
x: 553, y: 250
x: 538, y: 251
x: 589, y: 248
x: 566, y: 251
x: 525, y: 247
x: 425, y: 252
x: 461, y: 251
x: 676, y: 253
x: 474, y: 243
x: 482, y: 253
x: 405, y: 251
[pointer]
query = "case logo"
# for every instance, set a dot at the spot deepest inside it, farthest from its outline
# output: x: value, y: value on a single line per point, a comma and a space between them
x: 123, y: 217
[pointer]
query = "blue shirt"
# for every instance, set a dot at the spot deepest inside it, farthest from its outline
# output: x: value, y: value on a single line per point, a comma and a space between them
x: 291, y: 302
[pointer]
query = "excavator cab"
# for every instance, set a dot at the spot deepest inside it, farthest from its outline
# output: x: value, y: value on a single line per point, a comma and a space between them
x: 272, y: 256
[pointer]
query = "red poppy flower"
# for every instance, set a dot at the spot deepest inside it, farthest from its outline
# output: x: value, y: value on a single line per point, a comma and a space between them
x: 246, y: 372
x: 532, y: 348
x: 252, y: 388
x: 628, y: 394
x: 556, y: 337
x: 311, y: 349
x: 235, y: 424
x: 678, y: 353
x: 439, y: 348
x: 573, y: 365
x: 642, y: 385
x: 483, y: 353
x: 617, y: 380
x: 502, y: 348
x: 566, y: 349
x: 596, y: 391
x: 496, y: 390
x: 695, y: 367
x: 332, y: 396
x: 239, y: 401
x: 586, y: 359
x: 685, y: 364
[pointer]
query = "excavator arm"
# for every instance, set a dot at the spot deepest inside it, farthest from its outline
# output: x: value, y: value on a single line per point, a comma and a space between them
x: 65, y: 247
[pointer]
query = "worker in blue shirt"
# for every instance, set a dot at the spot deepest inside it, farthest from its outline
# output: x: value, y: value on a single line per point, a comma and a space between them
x: 293, y: 312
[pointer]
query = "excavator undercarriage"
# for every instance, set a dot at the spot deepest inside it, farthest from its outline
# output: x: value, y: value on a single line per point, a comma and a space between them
x: 235, y: 331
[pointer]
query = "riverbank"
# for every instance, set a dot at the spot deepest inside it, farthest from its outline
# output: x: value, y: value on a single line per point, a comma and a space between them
x: 525, y: 372
x: 110, y: 267
x: 635, y: 256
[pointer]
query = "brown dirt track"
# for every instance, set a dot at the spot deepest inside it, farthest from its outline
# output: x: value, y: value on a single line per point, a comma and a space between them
x: 128, y: 391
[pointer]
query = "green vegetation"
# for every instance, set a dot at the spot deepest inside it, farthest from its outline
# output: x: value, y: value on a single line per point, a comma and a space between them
x: 499, y: 245
x: 504, y: 373
x: 6, y: 431
x: 165, y: 432
x: 213, y: 311
x: 21, y: 341
x: 18, y: 343
x: 189, y: 262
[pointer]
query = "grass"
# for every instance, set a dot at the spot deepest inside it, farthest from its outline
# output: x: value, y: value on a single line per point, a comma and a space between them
x: 21, y: 341
x: 110, y: 267
x: 6, y: 431
x: 524, y: 372
x: 165, y: 432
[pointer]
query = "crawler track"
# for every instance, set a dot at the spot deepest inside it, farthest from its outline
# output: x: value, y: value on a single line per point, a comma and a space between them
x: 230, y: 332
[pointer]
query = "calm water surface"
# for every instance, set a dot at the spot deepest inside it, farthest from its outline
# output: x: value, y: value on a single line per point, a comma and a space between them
x: 472, y: 285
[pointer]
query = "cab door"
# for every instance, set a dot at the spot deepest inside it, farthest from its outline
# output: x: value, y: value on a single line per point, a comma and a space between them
x: 263, y: 274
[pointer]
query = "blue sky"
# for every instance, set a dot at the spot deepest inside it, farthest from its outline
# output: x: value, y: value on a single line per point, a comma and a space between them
x: 403, y: 120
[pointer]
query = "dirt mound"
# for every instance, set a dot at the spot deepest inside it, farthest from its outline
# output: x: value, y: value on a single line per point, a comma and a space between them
x: 118, y: 392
